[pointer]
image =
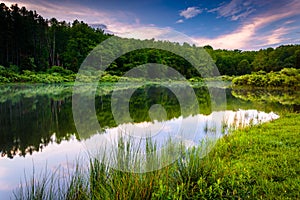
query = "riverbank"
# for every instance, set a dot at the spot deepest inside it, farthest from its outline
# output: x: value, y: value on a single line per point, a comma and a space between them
x: 259, y: 162
x: 57, y: 74
x: 286, y: 79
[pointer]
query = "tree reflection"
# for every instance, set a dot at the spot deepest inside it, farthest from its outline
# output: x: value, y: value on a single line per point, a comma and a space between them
x: 30, y: 115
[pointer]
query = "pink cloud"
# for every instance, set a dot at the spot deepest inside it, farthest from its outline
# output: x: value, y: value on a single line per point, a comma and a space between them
x: 70, y: 12
x: 247, y: 36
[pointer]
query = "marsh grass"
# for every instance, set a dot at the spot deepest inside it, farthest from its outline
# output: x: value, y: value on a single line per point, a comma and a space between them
x: 257, y: 162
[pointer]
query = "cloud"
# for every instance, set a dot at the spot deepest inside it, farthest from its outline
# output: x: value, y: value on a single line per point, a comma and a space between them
x: 123, y: 24
x: 118, y: 23
x: 247, y: 38
x: 235, y: 40
x: 249, y: 35
x: 163, y: 34
x: 274, y: 37
x: 70, y: 11
x: 243, y: 14
x: 179, y: 21
x: 235, y: 9
x: 190, y: 12
x: 142, y: 32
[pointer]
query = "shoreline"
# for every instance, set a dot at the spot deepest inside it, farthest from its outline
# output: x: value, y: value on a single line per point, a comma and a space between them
x: 261, y: 161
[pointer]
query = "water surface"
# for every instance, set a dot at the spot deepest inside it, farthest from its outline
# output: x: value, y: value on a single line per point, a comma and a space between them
x: 37, y: 127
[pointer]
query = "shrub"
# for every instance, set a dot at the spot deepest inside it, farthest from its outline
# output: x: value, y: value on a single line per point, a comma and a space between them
x: 60, y: 70
x: 285, y: 78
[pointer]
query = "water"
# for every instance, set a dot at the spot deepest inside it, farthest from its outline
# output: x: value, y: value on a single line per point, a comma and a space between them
x: 37, y: 127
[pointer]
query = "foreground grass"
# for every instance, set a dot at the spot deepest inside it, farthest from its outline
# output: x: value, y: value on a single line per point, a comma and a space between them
x: 260, y: 162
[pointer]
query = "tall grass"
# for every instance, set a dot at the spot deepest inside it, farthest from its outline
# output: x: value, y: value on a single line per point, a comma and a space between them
x: 258, y: 162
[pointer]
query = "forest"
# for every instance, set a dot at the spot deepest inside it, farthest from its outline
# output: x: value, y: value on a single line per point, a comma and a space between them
x: 34, y: 49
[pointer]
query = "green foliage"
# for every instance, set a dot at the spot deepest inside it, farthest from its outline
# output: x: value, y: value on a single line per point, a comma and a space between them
x: 14, y: 68
x: 290, y: 71
x: 243, y: 67
x: 234, y: 62
x: 287, y: 78
x: 54, y: 75
x: 196, y: 79
x: 274, y: 96
x: 28, y: 64
x: 59, y: 69
x: 110, y: 78
x: 276, y: 59
x: 41, y: 43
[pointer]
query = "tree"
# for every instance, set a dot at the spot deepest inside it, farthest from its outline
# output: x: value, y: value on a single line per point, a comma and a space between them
x: 243, y: 67
x: 297, y: 57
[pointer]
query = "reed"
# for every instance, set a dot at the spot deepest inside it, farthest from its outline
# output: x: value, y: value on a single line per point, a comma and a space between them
x: 257, y: 162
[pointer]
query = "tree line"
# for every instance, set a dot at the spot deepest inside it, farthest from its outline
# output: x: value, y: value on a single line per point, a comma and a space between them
x: 237, y: 62
x: 30, y: 42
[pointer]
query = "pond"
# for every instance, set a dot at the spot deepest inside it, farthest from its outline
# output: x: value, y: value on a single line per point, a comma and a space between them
x: 37, y: 128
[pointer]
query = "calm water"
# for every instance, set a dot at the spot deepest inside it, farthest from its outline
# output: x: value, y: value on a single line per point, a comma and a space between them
x: 37, y: 127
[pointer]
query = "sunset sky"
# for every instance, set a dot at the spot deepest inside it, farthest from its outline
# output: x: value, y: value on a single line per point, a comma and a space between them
x: 235, y: 24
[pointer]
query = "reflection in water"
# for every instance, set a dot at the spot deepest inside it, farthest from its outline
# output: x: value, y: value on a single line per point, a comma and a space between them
x: 36, y: 122
x: 177, y: 130
x: 30, y: 114
x: 27, y: 125
x: 288, y: 98
x: 64, y: 154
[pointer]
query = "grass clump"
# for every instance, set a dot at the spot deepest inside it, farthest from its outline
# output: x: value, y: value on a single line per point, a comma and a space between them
x: 258, y: 162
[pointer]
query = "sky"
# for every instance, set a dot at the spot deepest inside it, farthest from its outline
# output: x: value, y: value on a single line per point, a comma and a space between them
x: 224, y: 24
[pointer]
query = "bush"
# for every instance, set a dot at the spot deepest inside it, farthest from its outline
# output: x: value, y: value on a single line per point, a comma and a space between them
x: 60, y: 70
x: 285, y: 78
x: 109, y: 78
x: 290, y: 71
x: 14, y: 68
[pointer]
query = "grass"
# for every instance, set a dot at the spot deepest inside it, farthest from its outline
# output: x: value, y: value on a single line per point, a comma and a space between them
x: 258, y: 162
